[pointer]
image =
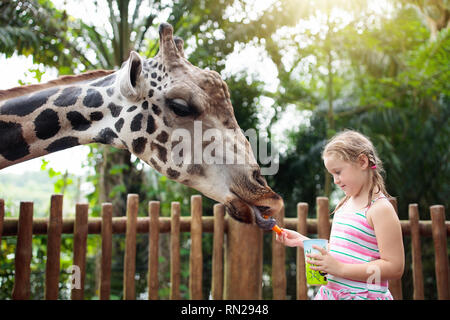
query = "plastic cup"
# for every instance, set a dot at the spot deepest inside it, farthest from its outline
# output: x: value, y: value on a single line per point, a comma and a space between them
x: 314, y: 277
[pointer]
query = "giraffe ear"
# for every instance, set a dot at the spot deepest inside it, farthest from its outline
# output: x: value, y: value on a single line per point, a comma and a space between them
x: 129, y: 82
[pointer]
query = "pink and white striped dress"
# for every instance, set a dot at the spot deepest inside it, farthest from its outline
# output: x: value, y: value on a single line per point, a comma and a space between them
x: 352, y: 240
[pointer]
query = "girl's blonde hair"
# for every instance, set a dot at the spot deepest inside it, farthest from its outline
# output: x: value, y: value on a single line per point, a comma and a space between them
x: 348, y: 145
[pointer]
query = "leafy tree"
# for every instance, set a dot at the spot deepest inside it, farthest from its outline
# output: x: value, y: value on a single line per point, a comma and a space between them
x: 36, y: 28
x: 391, y: 83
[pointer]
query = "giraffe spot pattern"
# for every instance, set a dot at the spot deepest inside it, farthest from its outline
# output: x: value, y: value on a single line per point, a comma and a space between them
x: 151, y: 125
x: 166, y: 122
x: 115, y: 109
x: 156, y: 109
x: 161, y: 151
x: 162, y: 137
x: 136, y: 123
x: 139, y: 145
x: 195, y: 169
x: 131, y: 109
x: 61, y: 144
x: 96, y: 116
x: 78, y: 121
x: 93, y: 99
x: 119, y: 124
x: 23, y: 106
x: 155, y: 165
x: 46, y: 124
x: 68, y: 97
x: 105, y: 136
x: 172, y: 174
x: 12, y: 144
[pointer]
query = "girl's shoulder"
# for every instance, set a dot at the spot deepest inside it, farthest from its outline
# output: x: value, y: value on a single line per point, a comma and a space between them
x: 380, y: 208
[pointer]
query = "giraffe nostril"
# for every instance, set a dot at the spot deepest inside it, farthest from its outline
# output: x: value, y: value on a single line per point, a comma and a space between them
x: 258, y: 178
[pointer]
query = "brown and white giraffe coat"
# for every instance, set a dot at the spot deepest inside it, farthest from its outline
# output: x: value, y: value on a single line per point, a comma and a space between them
x: 139, y: 107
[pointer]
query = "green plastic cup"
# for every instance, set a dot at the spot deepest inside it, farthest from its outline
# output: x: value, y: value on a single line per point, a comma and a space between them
x: 314, y: 277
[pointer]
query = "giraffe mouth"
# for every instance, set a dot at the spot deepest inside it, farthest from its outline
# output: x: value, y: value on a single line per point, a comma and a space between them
x: 263, y: 223
x: 245, y: 212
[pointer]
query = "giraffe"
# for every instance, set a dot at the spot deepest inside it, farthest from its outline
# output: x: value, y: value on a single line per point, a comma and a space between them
x: 140, y: 107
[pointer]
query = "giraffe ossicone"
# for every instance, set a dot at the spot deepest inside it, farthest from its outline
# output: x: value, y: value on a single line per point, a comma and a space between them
x: 155, y: 108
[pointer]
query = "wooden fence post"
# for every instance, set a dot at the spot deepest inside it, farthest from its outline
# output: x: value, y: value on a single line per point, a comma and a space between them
x: 243, y: 261
x: 53, y: 247
x: 106, y: 231
x: 217, y: 259
x: 416, y: 252
x: 21, y: 289
x: 440, y: 251
x: 196, y: 256
x: 395, y: 286
x: 2, y: 217
x: 129, y: 292
x: 153, y: 246
x: 323, y: 218
x: 175, y: 265
x: 80, y: 233
x: 278, y: 262
x: 302, y: 227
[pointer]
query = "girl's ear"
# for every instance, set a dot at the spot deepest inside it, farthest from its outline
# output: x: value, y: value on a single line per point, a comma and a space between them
x: 363, y: 161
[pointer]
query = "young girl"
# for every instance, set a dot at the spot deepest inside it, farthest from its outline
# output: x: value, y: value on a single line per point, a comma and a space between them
x: 365, y: 247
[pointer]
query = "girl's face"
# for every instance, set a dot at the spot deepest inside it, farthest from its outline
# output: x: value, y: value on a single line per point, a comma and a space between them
x: 349, y: 176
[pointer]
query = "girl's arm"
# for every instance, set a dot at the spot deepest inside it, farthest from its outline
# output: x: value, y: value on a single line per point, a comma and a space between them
x: 390, y: 243
x: 291, y: 238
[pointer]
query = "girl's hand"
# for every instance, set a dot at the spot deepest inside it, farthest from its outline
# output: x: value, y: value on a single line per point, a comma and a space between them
x: 324, y: 262
x: 290, y: 238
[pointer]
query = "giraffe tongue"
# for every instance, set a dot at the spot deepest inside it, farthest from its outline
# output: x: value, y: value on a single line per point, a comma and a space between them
x: 265, y: 224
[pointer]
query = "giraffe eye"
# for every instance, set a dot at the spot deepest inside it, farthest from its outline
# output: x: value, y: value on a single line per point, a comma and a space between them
x: 180, y: 107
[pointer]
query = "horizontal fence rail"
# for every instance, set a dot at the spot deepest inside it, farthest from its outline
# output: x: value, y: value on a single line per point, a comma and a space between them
x: 236, y: 256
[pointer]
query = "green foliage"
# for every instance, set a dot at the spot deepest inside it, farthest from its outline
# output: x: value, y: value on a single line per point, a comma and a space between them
x: 29, y: 186
x: 36, y: 28
x: 392, y: 84
x: 61, y: 180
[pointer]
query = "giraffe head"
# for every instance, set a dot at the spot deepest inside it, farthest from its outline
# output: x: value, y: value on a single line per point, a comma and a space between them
x: 191, y: 129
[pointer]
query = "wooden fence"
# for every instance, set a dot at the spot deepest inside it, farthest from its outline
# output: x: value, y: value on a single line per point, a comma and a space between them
x: 237, y: 248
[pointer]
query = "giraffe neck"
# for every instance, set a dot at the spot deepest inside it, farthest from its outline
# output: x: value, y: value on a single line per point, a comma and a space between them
x: 60, y: 117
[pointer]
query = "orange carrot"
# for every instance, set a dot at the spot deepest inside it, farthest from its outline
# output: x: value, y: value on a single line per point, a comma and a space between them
x: 275, y: 228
